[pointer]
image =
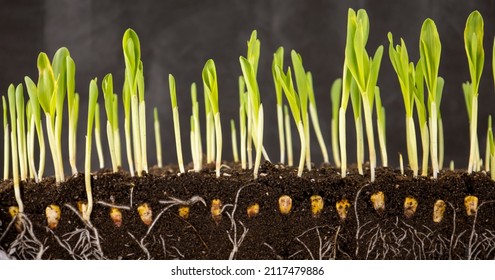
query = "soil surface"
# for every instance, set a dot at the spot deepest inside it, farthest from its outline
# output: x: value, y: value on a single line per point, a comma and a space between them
x: 364, y: 234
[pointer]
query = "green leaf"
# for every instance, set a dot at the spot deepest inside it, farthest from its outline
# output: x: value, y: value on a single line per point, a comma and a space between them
x: 132, y: 56
x: 356, y: 100
x: 71, y: 80
x: 171, y: 86
x: 278, y: 61
x: 5, y: 112
x: 290, y: 93
x: 46, y: 82
x: 301, y: 82
x: 335, y: 93
x: 466, y: 89
x: 473, y: 43
x: 93, y: 99
x: 210, y: 83
x: 59, y: 65
x: 253, y: 54
x: 373, y: 74
x: 251, y: 84
x: 430, y: 50
x: 311, y: 92
x: 107, y: 87
x: 438, y: 98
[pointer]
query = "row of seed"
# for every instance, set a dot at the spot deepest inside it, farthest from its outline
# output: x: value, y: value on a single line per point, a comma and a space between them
x: 53, y: 212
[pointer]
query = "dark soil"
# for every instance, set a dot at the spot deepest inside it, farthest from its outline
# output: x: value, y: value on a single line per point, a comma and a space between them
x: 365, y: 234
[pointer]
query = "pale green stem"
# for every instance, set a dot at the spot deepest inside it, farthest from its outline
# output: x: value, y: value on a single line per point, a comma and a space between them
x: 210, y: 144
x: 242, y: 121
x: 136, y: 137
x: 300, y: 129
x: 30, y: 146
x: 51, y: 142
x: 370, y: 135
x: 116, y: 139
x: 307, y: 142
x: 434, y: 138
x: 6, y: 155
x: 178, y: 141
x: 218, y: 139
x: 441, y: 145
x: 72, y: 151
x: 198, y: 145
x: 359, y: 145
x: 127, y: 131
x: 319, y: 136
x: 412, y: 152
x: 342, y: 142
x: 425, y: 144
x: 259, y: 141
x: 335, y: 142
x: 99, y: 149
x: 288, y: 137
x: 15, y: 173
x: 451, y: 165
x: 142, y: 130
x: 383, y: 143
x: 233, y: 134
x: 280, y: 120
x: 111, y: 147
x: 158, y: 141
x: 249, y: 149
x: 492, y: 166
x: 487, y: 154
x: 473, y: 135
x: 401, y: 164
x: 87, y: 180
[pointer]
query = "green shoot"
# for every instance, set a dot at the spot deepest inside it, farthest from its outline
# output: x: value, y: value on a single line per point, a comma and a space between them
x: 364, y: 69
x: 99, y: 148
x: 441, y: 140
x: 36, y: 113
x: 358, y: 121
x: 249, y: 67
x: 487, y: 151
x: 196, y: 146
x: 468, y: 98
x: 430, y: 50
x: 452, y: 166
x: 473, y: 42
x: 126, y: 99
x: 93, y: 98
x: 210, y: 129
x: 293, y: 99
x: 233, y: 133
x: 15, y: 155
x: 73, y: 112
x: 158, y: 138
x: 302, y: 89
x: 381, y: 125
x: 492, y: 150
x: 175, y: 109
x: 6, y: 142
x: 21, y: 131
x: 30, y: 141
x: 278, y: 61
x: 401, y: 164
x: 335, y: 93
x: 242, y: 119
x: 404, y: 70
x: 288, y: 137
x: 416, y: 74
x: 112, y: 120
x: 314, y: 117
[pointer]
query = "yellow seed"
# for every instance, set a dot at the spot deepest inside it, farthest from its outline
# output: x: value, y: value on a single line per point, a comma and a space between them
x: 471, y: 205
x: 116, y: 216
x: 145, y: 213
x: 410, y: 206
x: 184, y: 212
x: 316, y: 205
x: 52, y: 213
x: 216, y: 210
x: 14, y: 213
x: 438, y: 210
x: 378, y: 201
x: 342, y: 206
x: 285, y: 204
x: 81, y: 206
x: 253, y: 210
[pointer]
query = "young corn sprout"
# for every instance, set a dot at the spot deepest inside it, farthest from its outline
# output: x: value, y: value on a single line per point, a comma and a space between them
x: 487, y: 151
x: 302, y: 89
x: 381, y: 125
x: 404, y: 69
x: 314, y: 117
x: 210, y: 129
x: 175, y: 109
x: 36, y: 114
x: 6, y: 142
x: 288, y: 136
x: 30, y: 141
x: 430, y: 50
x: 15, y: 156
x: 278, y: 61
x: 73, y: 111
x: 113, y: 133
x: 21, y: 132
x: 158, y: 138
x: 233, y: 134
x: 467, y: 91
x: 441, y: 143
x: 358, y: 121
x: 210, y: 84
x: 196, y: 146
x: 249, y: 68
x: 473, y: 42
x: 335, y: 92
x: 293, y: 98
x: 492, y: 148
x: 364, y: 69
x: 242, y: 119
x: 99, y: 148
x: 134, y: 104
x: 416, y: 74
x: 93, y: 97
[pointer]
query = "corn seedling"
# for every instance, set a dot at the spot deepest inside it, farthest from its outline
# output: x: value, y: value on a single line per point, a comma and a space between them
x: 242, y: 119
x: 233, y: 134
x: 430, y: 50
x: 73, y: 111
x: 210, y: 84
x: 158, y: 138
x: 175, y: 110
x: 404, y: 70
x: 492, y: 150
x: 288, y: 136
x: 381, y: 126
x: 21, y: 131
x: 487, y: 149
x: 364, y: 70
x: 473, y: 42
x: 6, y: 141
x: 30, y: 142
x: 358, y: 121
x: 99, y: 148
x: 441, y: 140
x: 293, y: 99
x: 278, y: 61
x: 15, y: 156
x: 249, y: 68
x: 314, y: 117
x: 401, y: 164
x: 335, y: 93
x: 416, y: 73
x: 210, y: 129
x: 196, y: 146
x: 113, y: 133
x: 93, y: 97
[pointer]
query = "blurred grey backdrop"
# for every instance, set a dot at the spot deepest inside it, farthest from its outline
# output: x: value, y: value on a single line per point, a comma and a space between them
x: 179, y: 36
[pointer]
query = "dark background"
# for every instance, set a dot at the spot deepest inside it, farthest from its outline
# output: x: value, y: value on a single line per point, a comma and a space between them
x: 179, y: 36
